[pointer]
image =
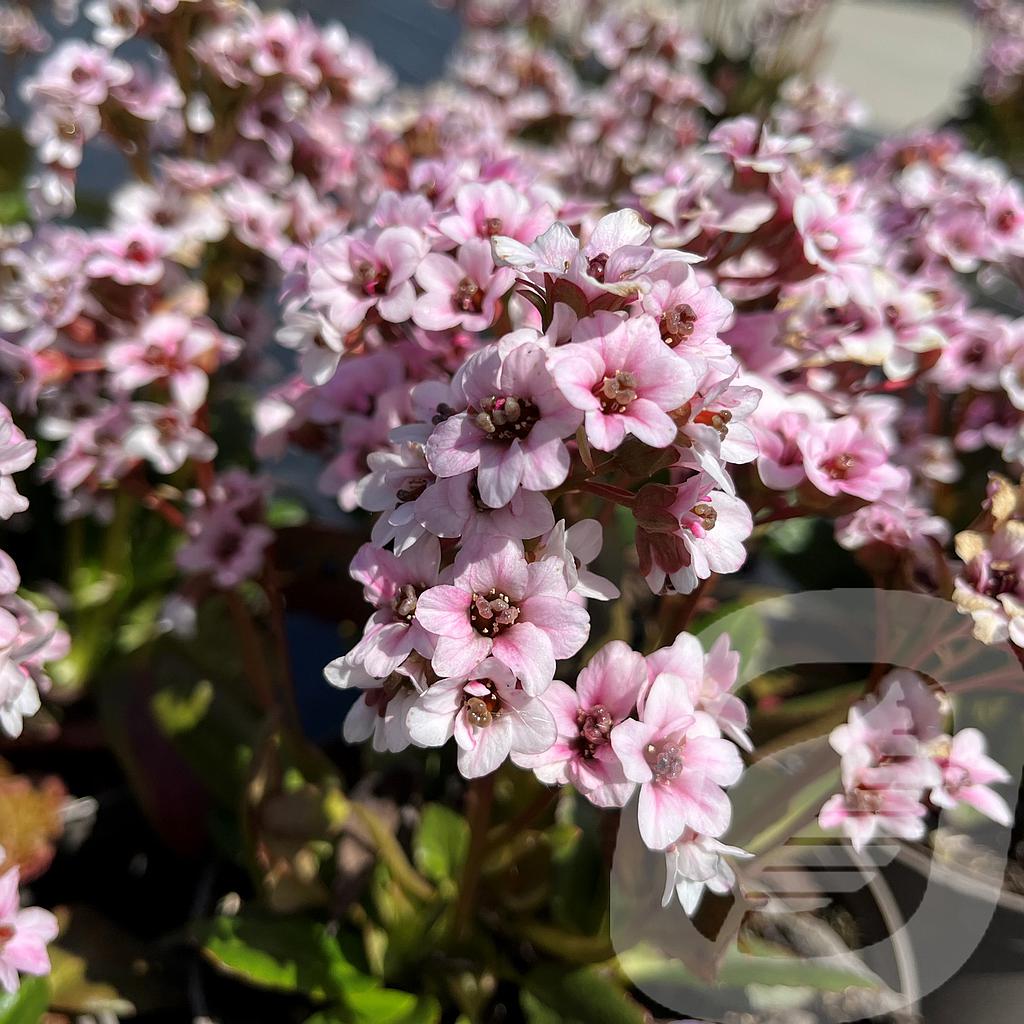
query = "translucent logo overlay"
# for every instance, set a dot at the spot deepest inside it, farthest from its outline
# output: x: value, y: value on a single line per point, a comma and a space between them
x: 801, y: 881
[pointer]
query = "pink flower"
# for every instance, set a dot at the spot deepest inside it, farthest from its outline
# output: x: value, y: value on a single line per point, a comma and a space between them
x: 483, y: 209
x: 582, y: 754
x: 712, y: 526
x: 967, y: 772
x: 175, y: 349
x: 512, y: 431
x: 452, y: 507
x: 695, y: 863
x: 24, y: 934
x: 619, y: 373
x: 880, y: 803
x: 690, y: 317
x: 489, y: 716
x: 681, y: 763
x: 844, y: 457
x: 461, y: 292
x: 351, y: 274
x: 710, y: 679
x: 499, y: 604
x: 382, y: 710
x: 17, y: 452
x: 393, y: 586
x: 131, y: 256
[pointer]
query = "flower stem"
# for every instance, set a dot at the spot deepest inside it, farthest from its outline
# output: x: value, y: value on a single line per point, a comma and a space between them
x: 480, y: 799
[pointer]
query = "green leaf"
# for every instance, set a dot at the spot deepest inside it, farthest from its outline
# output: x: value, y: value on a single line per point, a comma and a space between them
x: 281, y: 953
x: 586, y: 996
x: 535, y: 1011
x: 441, y: 843
x: 28, y: 1004
x: 382, y: 1006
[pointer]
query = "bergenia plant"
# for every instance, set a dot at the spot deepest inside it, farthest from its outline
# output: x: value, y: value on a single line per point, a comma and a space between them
x: 492, y: 402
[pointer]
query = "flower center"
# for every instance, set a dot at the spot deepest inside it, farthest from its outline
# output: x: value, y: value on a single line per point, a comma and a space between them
x: 492, y: 226
x: 481, y: 711
x: 468, y: 296
x: 677, y: 324
x: 666, y: 760
x: 404, y: 603
x: 373, y: 280
x: 615, y: 393
x: 505, y: 418
x: 596, y: 266
x: 840, y: 466
x: 955, y: 778
x: 594, y: 724
x: 1002, y: 579
x: 719, y: 420
x: 706, y: 513
x: 866, y: 801
x: 412, y: 488
x: 6, y: 934
x: 492, y: 613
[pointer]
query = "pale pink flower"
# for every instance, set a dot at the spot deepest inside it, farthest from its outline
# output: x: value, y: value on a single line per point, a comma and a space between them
x: 224, y: 547
x: 24, y: 934
x: 681, y: 763
x: 690, y: 317
x: 351, y: 274
x: 17, y: 452
x: 489, y: 716
x: 712, y: 528
x: 619, y: 373
x: 499, y: 604
x: 844, y: 457
x: 577, y: 546
x: 967, y: 773
x: 513, y: 429
x: 173, y: 348
x: 452, y: 507
x: 882, y: 804
x: 710, y: 679
x: 582, y: 755
x: 695, y: 863
x: 131, y: 256
x: 382, y: 710
x: 393, y: 585
x: 484, y: 209
x: 460, y: 292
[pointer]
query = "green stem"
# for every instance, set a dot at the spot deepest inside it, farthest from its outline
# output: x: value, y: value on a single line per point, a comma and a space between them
x: 392, y: 854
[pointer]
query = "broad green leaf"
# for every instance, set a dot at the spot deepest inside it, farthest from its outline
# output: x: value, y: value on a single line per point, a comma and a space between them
x: 441, y: 843
x: 28, y: 1004
x: 586, y: 996
x: 281, y: 953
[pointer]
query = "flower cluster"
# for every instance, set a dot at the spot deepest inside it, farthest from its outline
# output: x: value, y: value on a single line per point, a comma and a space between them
x: 578, y: 290
x: 897, y: 761
x: 29, y: 638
